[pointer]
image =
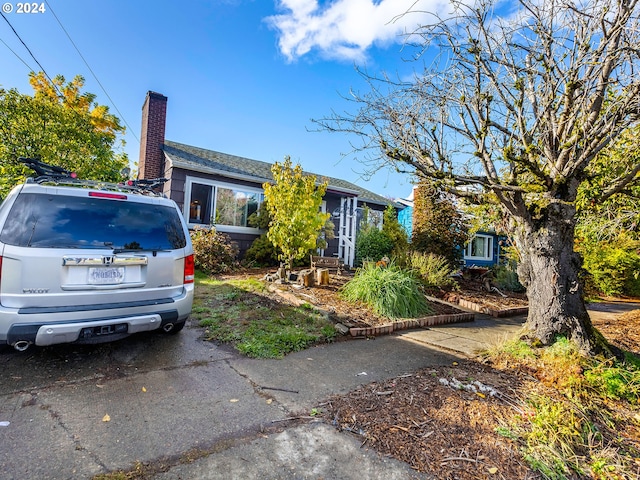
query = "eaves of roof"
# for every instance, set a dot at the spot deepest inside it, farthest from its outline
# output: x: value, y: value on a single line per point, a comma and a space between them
x: 241, y: 168
x: 404, y: 202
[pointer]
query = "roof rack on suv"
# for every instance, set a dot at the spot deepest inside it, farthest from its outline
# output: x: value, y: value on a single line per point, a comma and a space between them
x: 51, y: 174
x: 45, y: 170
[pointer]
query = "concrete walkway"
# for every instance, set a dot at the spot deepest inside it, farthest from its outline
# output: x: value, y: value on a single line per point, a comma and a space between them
x: 469, y: 338
x: 300, y: 380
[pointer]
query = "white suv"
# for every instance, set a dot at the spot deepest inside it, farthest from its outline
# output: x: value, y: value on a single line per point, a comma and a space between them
x: 89, y: 262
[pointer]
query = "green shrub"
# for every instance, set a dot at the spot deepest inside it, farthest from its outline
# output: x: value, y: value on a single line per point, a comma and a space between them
x: 434, y: 270
x: 372, y: 244
x: 214, y: 252
x: 613, y: 266
x: 262, y: 252
x: 390, y: 291
x: 506, y: 278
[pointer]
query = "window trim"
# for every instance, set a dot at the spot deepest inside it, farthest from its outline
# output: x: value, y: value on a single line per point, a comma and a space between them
x: 467, y: 248
x: 215, y: 184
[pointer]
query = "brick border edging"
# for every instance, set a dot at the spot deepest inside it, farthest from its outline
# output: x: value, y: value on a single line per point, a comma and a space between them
x: 411, y: 323
x: 389, y: 328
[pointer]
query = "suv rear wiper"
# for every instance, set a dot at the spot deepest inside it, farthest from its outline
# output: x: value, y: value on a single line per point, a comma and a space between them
x: 134, y: 250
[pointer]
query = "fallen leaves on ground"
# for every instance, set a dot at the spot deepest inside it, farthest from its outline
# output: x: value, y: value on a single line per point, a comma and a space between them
x: 421, y: 420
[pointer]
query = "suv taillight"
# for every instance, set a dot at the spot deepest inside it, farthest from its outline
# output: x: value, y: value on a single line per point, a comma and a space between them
x: 189, y: 269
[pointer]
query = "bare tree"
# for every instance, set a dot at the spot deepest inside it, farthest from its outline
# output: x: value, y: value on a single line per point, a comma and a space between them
x: 512, y: 107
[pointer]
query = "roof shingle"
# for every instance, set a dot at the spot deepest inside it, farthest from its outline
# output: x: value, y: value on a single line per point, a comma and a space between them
x: 210, y: 161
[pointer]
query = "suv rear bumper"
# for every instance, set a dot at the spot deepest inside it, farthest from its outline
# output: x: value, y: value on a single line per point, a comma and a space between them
x: 75, y: 324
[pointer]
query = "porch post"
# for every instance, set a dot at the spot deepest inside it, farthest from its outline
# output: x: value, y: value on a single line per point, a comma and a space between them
x: 347, y: 230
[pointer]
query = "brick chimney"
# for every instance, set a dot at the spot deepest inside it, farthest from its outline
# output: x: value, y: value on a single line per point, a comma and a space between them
x: 154, y: 116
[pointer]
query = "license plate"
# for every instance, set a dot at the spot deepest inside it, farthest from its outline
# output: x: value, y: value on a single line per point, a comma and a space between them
x: 103, y: 330
x: 106, y: 276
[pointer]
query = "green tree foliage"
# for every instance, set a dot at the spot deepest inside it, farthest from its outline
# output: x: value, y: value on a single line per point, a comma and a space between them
x: 604, y: 220
x: 394, y: 231
x: 59, y: 125
x: 264, y: 253
x: 608, y: 233
x: 438, y: 227
x: 294, y: 202
x: 613, y: 266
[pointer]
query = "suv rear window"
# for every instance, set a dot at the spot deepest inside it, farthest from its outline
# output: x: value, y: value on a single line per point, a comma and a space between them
x: 56, y: 221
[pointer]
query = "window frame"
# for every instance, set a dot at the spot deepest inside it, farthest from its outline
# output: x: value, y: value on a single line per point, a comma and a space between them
x: 489, y: 248
x: 215, y: 185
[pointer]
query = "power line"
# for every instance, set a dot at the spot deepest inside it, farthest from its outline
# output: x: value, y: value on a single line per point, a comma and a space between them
x: 30, y: 53
x: 92, y: 72
x: 17, y: 56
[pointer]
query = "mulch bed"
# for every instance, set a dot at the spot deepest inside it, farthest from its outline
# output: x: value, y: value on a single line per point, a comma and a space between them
x: 436, y: 429
x: 469, y: 295
x: 327, y: 297
x: 472, y: 291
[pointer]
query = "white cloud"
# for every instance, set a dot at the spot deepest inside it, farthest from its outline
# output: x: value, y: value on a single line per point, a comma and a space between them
x: 345, y: 29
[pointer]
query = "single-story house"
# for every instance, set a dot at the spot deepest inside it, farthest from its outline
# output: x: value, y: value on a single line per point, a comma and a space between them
x: 482, y: 250
x: 223, y: 190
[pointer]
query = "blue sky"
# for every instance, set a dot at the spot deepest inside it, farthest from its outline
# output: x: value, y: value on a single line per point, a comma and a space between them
x: 244, y: 77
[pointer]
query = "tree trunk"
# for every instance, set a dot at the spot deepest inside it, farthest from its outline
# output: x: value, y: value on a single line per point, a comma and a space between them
x: 306, y: 278
x: 549, y: 269
x: 322, y: 276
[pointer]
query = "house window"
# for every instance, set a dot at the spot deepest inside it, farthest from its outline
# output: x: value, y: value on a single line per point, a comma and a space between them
x: 200, y: 204
x: 224, y: 205
x: 233, y: 207
x: 367, y: 216
x: 480, y: 248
